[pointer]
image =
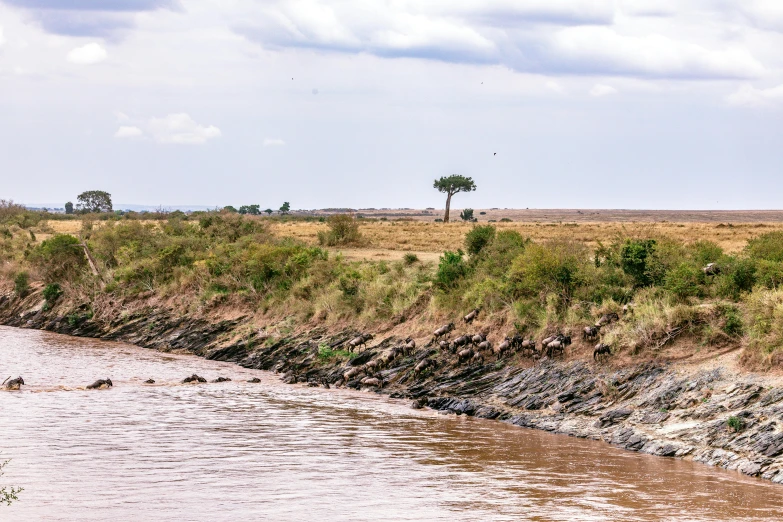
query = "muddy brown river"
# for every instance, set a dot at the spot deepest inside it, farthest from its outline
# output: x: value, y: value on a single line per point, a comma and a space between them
x: 269, y: 451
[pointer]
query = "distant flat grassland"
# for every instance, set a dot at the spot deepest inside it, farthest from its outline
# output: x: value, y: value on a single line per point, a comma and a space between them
x: 414, y: 231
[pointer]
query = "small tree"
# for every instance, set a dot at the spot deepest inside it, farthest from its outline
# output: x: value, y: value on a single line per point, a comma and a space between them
x: 466, y: 214
x: 285, y: 208
x: 94, y: 201
x: 269, y: 211
x: 69, y: 208
x: 230, y: 208
x: 253, y: 210
x: 451, y: 185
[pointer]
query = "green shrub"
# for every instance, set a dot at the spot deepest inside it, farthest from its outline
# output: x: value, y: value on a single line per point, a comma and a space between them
x: 557, y: 267
x: 732, y: 324
x: 59, y: 258
x: 769, y: 273
x: 635, y: 258
x: 767, y: 246
x: 685, y: 281
x: 478, y: 238
x: 22, y: 284
x: 705, y: 252
x: 451, y: 269
x: 506, y: 220
x: 466, y: 214
x: 735, y: 423
x: 52, y: 292
x: 343, y: 230
x: 410, y: 258
x: 738, y: 276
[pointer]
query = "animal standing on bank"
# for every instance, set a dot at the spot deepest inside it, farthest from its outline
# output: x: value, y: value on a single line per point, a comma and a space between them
x: 13, y: 384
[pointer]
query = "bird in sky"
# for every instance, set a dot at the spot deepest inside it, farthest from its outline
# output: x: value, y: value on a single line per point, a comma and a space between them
x: 495, y: 154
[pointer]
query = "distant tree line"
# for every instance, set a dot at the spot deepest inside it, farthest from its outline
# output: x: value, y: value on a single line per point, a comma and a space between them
x: 255, y: 210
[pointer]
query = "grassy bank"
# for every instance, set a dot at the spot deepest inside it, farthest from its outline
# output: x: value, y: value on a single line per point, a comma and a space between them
x: 283, y: 270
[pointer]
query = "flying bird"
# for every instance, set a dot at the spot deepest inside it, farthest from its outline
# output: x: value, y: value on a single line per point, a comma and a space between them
x: 495, y: 154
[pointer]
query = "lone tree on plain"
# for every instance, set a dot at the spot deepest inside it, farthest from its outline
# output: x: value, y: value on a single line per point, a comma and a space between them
x: 285, y: 208
x: 94, y: 201
x: 69, y: 208
x: 451, y: 185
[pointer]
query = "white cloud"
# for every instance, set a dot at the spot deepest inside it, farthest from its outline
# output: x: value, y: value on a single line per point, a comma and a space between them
x: 599, y: 89
x: 554, y: 86
x: 181, y: 129
x: 126, y: 131
x: 121, y: 117
x: 273, y: 142
x: 87, y: 54
x: 749, y: 96
x: 2, y: 38
x: 592, y: 49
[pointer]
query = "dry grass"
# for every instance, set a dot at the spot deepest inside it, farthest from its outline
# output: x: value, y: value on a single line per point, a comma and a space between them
x: 422, y: 236
x: 390, y: 240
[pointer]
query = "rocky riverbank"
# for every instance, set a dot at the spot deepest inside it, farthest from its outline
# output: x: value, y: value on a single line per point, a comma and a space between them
x: 716, y: 416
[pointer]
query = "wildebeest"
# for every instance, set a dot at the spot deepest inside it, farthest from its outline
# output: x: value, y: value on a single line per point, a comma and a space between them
x: 548, y: 340
x: 478, y: 358
x: 193, y: 378
x: 464, y: 355
x: 13, y: 384
x: 374, y: 365
x: 360, y: 340
x: 460, y: 341
x: 101, y: 383
x: 478, y: 338
x: 422, y: 366
x: 353, y: 372
x: 528, y: 345
x: 410, y: 346
x: 600, y: 350
x: 471, y: 316
x: 149, y: 381
x: 506, y: 344
x: 372, y: 381
x: 711, y: 269
x: 254, y: 380
x: 607, y: 319
x: 484, y: 346
x: 443, y: 330
x: 444, y: 345
x: 222, y: 379
x: 590, y: 333
x: 558, y: 345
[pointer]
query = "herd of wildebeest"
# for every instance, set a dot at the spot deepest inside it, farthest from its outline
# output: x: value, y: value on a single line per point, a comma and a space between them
x: 474, y: 348
x: 469, y: 348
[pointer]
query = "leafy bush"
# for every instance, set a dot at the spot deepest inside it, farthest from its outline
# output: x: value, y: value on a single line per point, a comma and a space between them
x: 635, y: 260
x: 478, y: 238
x: 767, y: 246
x: 732, y: 324
x: 506, y: 220
x: 343, y: 230
x: 685, y: 281
x: 739, y: 275
x: 59, y: 258
x: 410, y: 258
x: 466, y: 214
x: 735, y: 423
x: 451, y: 269
x: 52, y: 292
x: 22, y: 284
x: 769, y: 273
x: 557, y: 267
x: 705, y: 252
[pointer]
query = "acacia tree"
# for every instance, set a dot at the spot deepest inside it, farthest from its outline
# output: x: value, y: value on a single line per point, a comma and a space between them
x: 94, y: 201
x: 285, y: 208
x: 451, y: 185
x: 69, y: 208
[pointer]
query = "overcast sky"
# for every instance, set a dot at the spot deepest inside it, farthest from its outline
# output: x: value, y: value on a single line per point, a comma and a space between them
x: 587, y: 103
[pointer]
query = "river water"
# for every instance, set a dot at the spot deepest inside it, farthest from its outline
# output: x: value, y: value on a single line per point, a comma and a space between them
x: 269, y: 451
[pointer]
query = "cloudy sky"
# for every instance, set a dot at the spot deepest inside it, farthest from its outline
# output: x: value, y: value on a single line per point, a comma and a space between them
x: 587, y: 103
